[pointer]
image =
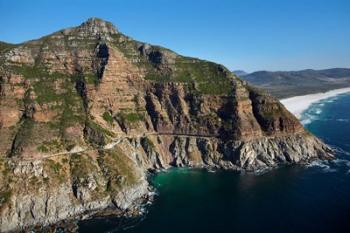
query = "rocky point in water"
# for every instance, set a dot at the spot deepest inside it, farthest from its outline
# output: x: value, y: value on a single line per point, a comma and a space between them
x: 86, y: 112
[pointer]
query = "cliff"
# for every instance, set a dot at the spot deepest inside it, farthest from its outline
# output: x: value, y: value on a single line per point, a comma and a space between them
x: 85, y: 112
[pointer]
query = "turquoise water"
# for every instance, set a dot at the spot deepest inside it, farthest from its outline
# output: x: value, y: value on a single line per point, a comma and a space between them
x: 313, y: 198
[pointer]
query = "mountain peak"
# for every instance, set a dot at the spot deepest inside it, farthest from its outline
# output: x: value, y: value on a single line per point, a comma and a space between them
x: 98, y: 26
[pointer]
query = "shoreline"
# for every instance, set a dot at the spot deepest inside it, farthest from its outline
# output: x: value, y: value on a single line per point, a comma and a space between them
x: 298, y: 104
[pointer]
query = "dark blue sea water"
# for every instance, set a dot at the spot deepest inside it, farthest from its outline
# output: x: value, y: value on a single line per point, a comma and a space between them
x: 313, y: 198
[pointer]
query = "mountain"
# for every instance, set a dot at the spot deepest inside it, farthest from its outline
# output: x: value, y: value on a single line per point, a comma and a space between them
x: 87, y: 112
x: 293, y: 83
x: 239, y: 72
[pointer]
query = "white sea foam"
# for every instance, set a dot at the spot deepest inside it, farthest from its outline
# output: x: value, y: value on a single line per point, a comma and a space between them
x: 306, y: 121
x: 328, y: 169
x: 298, y: 104
x: 262, y: 171
x: 317, y: 163
x: 307, y: 118
x: 342, y: 162
x: 330, y: 166
x: 343, y: 120
x: 340, y: 150
x: 318, y: 111
x: 321, y: 164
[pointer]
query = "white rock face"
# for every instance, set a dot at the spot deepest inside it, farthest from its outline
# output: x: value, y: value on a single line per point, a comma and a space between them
x: 95, y: 26
x: 21, y: 56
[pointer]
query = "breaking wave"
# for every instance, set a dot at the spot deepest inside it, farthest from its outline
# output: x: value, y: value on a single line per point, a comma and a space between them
x: 262, y: 171
x: 308, y: 117
x: 318, y: 111
x: 330, y: 166
x: 314, y: 111
x: 342, y: 162
x: 323, y: 165
x: 341, y: 151
x: 342, y: 120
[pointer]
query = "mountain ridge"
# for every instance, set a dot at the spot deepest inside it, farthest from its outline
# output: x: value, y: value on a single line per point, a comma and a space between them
x: 285, y: 84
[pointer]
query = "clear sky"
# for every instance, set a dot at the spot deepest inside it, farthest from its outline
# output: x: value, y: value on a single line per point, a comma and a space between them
x: 241, y: 34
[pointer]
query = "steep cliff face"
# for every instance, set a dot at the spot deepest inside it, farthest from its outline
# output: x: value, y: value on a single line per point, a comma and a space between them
x: 85, y: 112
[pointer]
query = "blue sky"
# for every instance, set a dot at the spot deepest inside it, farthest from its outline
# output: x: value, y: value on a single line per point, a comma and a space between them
x: 241, y: 34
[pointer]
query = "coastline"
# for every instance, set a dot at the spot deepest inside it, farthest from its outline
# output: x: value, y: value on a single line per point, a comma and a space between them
x: 298, y: 104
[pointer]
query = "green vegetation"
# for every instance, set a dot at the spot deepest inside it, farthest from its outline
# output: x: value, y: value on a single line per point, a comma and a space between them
x: 157, y: 77
x: 215, y: 88
x: 118, y: 168
x: 55, y: 170
x: 5, y: 46
x: 108, y: 117
x: 33, y: 181
x: 36, y: 72
x: 5, y: 179
x: 148, y: 142
x: 45, y: 93
x: 43, y: 148
x: 5, y: 196
x: 28, y: 71
x: 81, y: 166
x: 126, y: 45
x: 131, y: 117
x: 54, y: 166
x: 91, y: 79
x: 23, y: 136
x: 96, y: 127
x: 4, y: 169
x: 182, y: 78
x: 50, y: 146
x: 198, y: 70
x: 63, y: 99
x: 73, y: 113
x: 210, y: 78
x: 163, y: 78
x: 68, y: 102
x: 56, y: 92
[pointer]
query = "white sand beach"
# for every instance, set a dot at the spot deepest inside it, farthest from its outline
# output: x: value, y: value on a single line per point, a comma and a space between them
x: 298, y: 104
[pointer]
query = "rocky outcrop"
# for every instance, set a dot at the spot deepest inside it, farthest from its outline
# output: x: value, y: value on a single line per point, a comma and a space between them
x: 86, y: 112
x: 50, y: 190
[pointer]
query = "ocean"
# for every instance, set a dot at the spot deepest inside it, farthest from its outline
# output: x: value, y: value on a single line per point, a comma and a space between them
x: 303, y: 198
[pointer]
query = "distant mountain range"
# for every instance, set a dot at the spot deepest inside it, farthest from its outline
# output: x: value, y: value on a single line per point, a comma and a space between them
x: 240, y: 72
x: 291, y: 83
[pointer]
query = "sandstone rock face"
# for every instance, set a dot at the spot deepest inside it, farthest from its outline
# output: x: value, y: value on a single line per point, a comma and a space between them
x: 85, y: 112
